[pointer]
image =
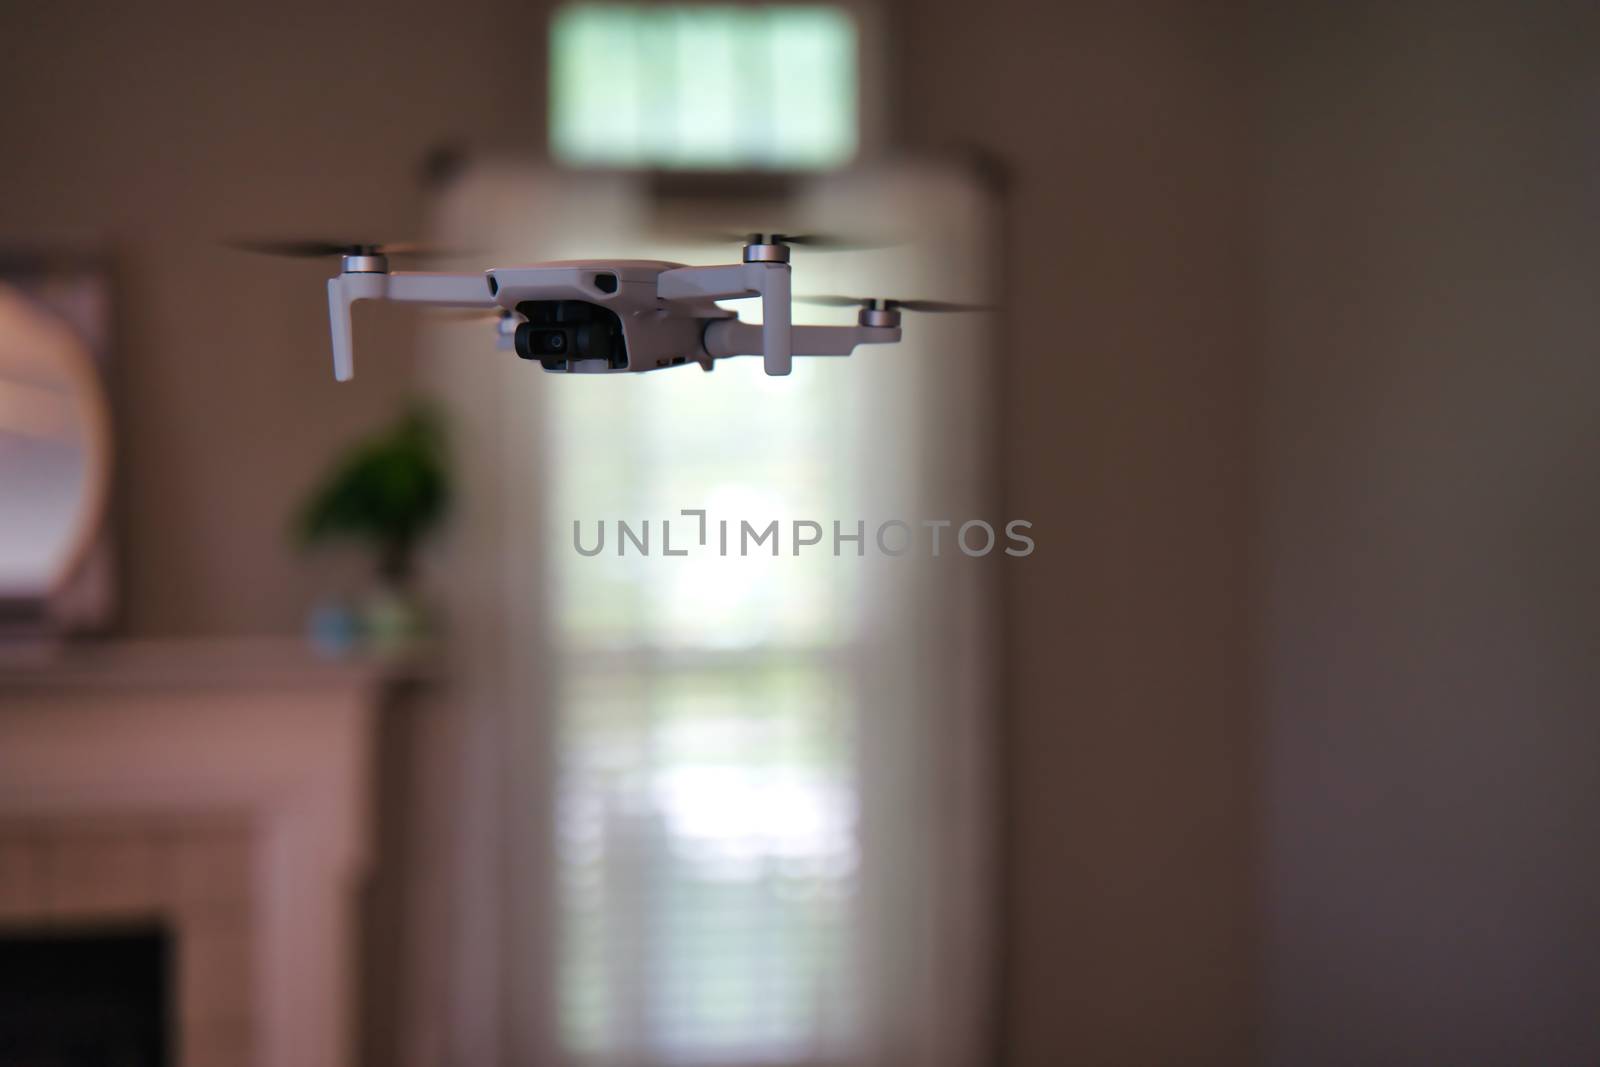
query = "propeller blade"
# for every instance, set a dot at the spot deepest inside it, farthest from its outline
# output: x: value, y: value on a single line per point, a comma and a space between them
x: 833, y: 301
x: 299, y: 249
x: 825, y: 241
x: 466, y: 314
x: 936, y: 305
x: 315, y: 248
x: 890, y: 304
x: 820, y: 241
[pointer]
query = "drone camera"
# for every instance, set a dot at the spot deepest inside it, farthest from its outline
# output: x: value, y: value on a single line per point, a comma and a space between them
x: 562, y: 333
x: 606, y: 283
x: 547, y: 342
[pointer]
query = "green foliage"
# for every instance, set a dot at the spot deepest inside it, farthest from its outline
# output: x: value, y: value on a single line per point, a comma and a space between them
x: 386, y: 491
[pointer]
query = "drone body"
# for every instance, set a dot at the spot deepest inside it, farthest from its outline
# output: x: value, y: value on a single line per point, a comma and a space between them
x: 615, y: 316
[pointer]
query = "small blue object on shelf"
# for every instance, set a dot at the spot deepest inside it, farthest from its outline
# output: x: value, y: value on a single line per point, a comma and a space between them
x: 333, y: 629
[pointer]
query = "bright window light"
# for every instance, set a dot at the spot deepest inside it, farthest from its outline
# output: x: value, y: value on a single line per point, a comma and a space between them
x: 705, y: 779
x: 703, y: 86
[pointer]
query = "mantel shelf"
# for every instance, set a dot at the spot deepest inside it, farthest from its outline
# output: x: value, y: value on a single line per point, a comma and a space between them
x: 201, y: 663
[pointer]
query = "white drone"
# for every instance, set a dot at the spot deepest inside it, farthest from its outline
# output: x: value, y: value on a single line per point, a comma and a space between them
x: 615, y: 316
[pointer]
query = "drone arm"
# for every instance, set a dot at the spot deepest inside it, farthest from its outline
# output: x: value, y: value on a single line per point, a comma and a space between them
x: 450, y: 290
x: 730, y: 337
x: 770, y: 281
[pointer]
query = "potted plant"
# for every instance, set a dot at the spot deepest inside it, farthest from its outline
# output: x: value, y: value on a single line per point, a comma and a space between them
x: 387, y: 492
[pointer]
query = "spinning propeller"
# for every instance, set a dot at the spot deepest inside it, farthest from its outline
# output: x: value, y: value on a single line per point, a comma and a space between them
x: 313, y: 248
x: 876, y: 303
x: 359, y: 255
x: 470, y: 314
x: 825, y: 242
x: 765, y: 246
x: 878, y: 311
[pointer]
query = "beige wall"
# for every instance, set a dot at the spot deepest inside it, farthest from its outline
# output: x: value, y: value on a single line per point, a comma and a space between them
x: 1430, y: 440
x: 1125, y: 392
x: 163, y: 127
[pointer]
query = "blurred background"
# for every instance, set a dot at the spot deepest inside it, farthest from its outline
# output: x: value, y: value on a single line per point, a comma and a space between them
x: 320, y: 745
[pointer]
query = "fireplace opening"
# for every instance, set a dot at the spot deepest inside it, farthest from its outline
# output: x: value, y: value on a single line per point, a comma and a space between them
x: 85, y: 997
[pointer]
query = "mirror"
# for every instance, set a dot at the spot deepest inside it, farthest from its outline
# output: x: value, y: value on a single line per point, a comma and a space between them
x: 55, y: 445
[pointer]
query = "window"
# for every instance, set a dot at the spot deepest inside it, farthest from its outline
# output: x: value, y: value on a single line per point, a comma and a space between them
x: 707, y: 801
x: 700, y: 86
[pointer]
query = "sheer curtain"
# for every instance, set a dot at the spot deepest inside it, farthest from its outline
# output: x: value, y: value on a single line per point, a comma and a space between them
x: 729, y: 809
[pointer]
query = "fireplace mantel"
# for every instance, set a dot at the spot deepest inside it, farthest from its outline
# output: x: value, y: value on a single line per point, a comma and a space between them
x: 261, y: 732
